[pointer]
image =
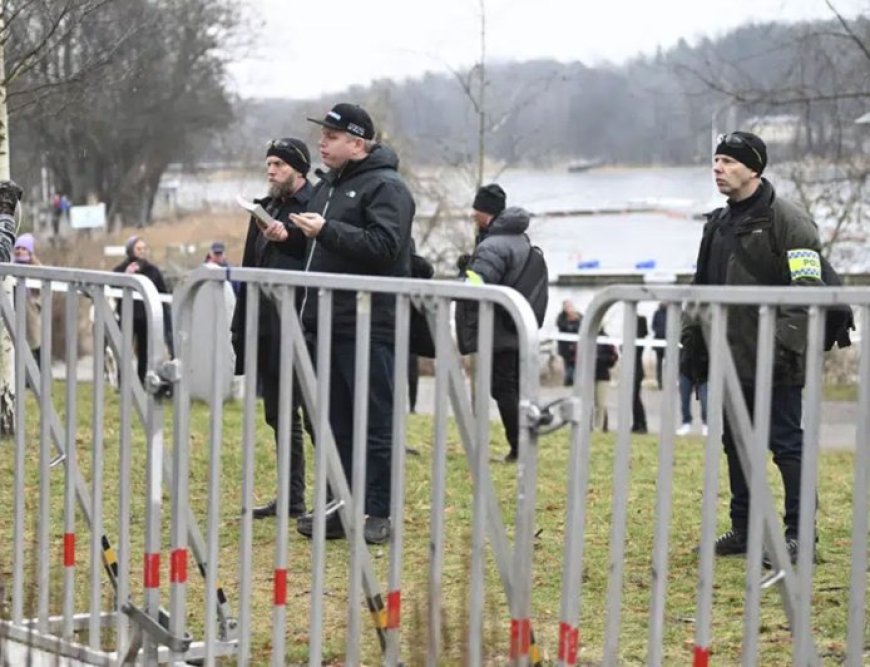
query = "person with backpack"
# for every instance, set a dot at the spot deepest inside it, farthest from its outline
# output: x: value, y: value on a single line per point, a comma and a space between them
x: 758, y: 238
x: 503, y: 255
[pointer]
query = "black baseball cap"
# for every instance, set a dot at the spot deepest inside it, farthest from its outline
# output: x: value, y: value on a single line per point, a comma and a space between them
x: 350, y: 118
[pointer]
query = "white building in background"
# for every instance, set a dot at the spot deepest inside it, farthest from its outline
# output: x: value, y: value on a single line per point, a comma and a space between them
x: 776, y: 129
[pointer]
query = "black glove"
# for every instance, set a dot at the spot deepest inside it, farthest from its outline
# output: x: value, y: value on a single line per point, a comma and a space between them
x: 10, y: 195
x: 462, y: 263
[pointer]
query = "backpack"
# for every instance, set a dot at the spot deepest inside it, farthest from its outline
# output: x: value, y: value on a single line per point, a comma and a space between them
x: 533, y: 283
x: 839, y: 319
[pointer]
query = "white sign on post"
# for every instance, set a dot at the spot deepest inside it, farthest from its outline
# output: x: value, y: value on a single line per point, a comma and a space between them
x: 87, y: 217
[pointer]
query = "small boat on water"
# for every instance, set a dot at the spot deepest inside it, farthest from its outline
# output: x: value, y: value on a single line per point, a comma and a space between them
x: 577, y: 166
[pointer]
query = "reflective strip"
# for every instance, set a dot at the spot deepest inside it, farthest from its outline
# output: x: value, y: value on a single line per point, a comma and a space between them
x: 280, y: 587
x: 394, y: 607
x: 473, y: 278
x: 152, y: 571
x: 519, y: 638
x: 568, y: 644
x: 804, y: 263
x: 178, y: 566
x: 69, y: 549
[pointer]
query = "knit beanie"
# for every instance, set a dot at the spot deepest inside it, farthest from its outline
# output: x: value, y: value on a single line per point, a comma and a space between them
x: 293, y: 151
x: 128, y: 246
x: 490, y: 199
x: 25, y: 241
x: 744, y: 147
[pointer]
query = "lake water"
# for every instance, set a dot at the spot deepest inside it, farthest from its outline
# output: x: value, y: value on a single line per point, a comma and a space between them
x: 669, y: 237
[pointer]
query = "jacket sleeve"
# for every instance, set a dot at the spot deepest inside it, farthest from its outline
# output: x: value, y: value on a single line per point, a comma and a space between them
x: 488, y: 263
x: 388, y: 214
x: 798, y: 238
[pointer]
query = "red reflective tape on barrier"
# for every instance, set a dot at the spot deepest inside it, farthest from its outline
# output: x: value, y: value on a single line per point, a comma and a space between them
x: 152, y: 571
x: 394, y: 608
x: 702, y: 657
x: 519, y: 638
x: 178, y: 566
x: 280, y: 587
x: 69, y: 549
x: 567, y: 644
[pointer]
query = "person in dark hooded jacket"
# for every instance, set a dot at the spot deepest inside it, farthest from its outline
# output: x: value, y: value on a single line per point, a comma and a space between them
x: 358, y: 222
x: 499, y: 258
x: 137, y: 262
x: 280, y: 246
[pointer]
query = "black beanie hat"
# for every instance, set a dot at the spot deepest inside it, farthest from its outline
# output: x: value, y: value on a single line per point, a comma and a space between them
x: 293, y: 151
x: 490, y: 199
x: 744, y: 147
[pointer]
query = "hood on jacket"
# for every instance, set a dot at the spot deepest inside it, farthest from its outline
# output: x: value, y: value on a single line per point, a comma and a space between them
x: 381, y: 157
x: 513, y: 220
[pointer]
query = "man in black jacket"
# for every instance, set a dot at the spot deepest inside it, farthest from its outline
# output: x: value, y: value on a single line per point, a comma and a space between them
x: 279, y: 246
x: 358, y: 222
x: 757, y: 239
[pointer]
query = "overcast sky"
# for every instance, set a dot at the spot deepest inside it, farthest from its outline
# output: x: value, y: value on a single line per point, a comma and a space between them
x: 304, y: 49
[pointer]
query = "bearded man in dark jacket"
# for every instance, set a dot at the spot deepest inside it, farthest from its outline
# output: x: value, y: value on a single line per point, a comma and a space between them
x: 358, y: 222
x: 499, y: 258
x: 757, y: 239
x: 281, y: 245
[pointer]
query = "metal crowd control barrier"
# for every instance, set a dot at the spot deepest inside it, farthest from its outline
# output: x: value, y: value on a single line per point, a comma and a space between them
x: 54, y: 625
x: 513, y: 562
x: 765, y: 529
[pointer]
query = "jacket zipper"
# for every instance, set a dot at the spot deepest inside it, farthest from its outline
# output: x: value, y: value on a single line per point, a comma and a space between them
x: 311, y: 254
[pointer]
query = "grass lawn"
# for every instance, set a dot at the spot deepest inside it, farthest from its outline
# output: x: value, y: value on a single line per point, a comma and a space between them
x: 830, y: 596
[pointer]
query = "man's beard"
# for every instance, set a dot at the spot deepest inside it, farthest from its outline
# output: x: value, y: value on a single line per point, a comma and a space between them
x: 282, y: 190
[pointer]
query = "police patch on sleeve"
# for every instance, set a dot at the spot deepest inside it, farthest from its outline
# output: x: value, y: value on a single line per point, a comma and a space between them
x: 804, y: 264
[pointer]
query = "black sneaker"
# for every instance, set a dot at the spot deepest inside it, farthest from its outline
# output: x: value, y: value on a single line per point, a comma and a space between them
x: 377, y: 530
x: 731, y: 543
x: 791, y: 548
x: 271, y: 509
x: 334, y: 529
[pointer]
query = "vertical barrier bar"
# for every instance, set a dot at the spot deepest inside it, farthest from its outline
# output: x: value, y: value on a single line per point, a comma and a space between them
x: 249, y: 440
x: 621, y: 463
x: 439, y: 481
x: 44, y: 528
x: 483, y: 382
x: 97, y: 545
x: 578, y: 484
x: 858, y: 579
x: 521, y: 600
x: 125, y: 463
x: 397, y: 481
x: 664, y: 490
x: 178, y: 558
x: 802, y: 632
x: 20, y: 435
x: 71, y: 465
x: 717, y: 345
x: 318, y: 538
x: 285, y: 454
x: 153, y: 426
x: 216, y: 414
x: 757, y: 480
x: 360, y: 444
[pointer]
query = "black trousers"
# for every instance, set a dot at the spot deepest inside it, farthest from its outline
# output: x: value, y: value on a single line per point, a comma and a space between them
x: 638, y: 411
x: 271, y: 383
x: 786, y: 443
x: 505, y: 390
x: 413, y: 380
x: 379, y: 436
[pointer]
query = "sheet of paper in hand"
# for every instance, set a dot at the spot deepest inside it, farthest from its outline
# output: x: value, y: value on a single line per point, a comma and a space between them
x: 262, y: 218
